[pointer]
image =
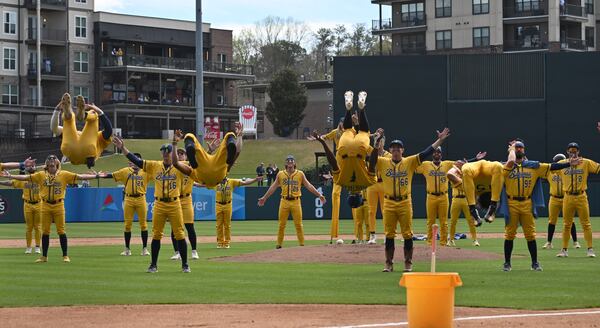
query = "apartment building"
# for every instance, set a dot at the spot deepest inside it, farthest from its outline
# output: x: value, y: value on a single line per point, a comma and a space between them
x: 488, y: 26
x: 144, y: 88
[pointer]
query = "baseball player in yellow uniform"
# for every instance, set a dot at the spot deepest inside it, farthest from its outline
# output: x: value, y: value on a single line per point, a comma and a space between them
x: 397, y: 173
x: 555, y: 204
x: 53, y: 186
x: 459, y: 204
x: 223, y: 206
x: 291, y: 181
x: 375, y: 192
x: 32, y: 207
x: 209, y: 169
x: 574, y: 181
x: 187, y: 208
x: 85, y: 146
x: 361, y: 218
x: 135, y: 181
x: 336, y: 192
x: 167, y: 205
x: 520, y: 178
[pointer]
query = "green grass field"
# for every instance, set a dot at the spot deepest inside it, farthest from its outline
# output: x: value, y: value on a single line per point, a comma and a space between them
x: 98, y: 275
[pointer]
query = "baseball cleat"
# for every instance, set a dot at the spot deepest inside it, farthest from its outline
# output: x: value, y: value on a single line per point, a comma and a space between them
x: 349, y: 99
x: 195, y: 255
x: 389, y: 267
x: 38, y: 250
x: 563, y: 253
x: 228, y: 246
x: 28, y: 250
x: 506, y: 267
x: 80, y: 104
x: 362, y: 99
x: 576, y: 244
x: 339, y: 241
x: 41, y: 259
x: 476, y: 243
x: 536, y: 267
x: 66, y: 106
x: 590, y: 252
x: 373, y: 239
x: 145, y: 252
x: 126, y: 252
x: 451, y: 243
x: 490, y: 215
x: 547, y: 245
x: 152, y: 269
x: 354, y: 242
x: 66, y: 259
x: 186, y: 269
x: 278, y: 247
x: 176, y: 257
x: 219, y: 246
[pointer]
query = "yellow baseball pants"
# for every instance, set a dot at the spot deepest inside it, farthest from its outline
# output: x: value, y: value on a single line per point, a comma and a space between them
x: 437, y: 208
x: 131, y: 206
x: 171, y: 211
x: 223, y: 216
x: 521, y: 213
x: 460, y: 205
x: 395, y: 213
x: 287, y: 207
x: 32, y: 213
x: 576, y: 204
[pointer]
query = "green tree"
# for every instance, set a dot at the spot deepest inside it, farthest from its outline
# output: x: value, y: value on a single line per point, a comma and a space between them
x: 288, y: 100
x: 277, y: 56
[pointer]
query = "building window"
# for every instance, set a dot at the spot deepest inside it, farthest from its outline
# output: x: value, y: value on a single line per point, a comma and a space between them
x: 481, y: 37
x: 527, y: 5
x: 83, y: 91
x: 413, y: 43
x: 443, y: 8
x: 589, y: 6
x: 81, y: 62
x: 33, y: 96
x: 80, y: 1
x: 481, y: 7
x: 10, y: 59
x: 10, y: 94
x: 80, y: 26
x: 589, y: 37
x: 443, y: 40
x: 412, y: 12
x: 222, y: 58
x: 10, y: 22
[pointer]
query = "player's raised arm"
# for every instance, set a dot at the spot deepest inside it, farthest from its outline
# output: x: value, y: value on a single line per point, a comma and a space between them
x: 178, y: 135
x: 312, y: 189
x: 454, y: 174
x: 480, y: 155
x: 118, y: 142
x: 598, y: 126
x: 270, y: 191
x: 107, y: 131
x: 250, y: 181
x: 440, y: 140
x: 54, y: 127
x: 21, y: 166
x: 6, y: 183
x: 20, y: 177
x: 239, y: 130
x: 330, y: 156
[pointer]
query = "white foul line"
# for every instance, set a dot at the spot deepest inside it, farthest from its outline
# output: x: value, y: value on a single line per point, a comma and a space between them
x: 502, y: 316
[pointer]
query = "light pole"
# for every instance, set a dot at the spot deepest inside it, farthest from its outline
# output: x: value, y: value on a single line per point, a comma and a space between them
x: 199, y: 74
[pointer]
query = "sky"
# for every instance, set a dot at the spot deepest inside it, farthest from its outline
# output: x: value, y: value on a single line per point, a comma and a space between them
x: 239, y: 14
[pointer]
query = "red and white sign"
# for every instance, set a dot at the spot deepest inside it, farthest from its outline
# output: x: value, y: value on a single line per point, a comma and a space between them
x: 212, y: 129
x: 248, y: 112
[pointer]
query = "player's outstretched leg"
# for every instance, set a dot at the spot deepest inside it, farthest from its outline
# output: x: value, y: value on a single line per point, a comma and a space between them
x: 363, y: 123
x: 231, y: 150
x: 190, y: 150
x: 66, y: 106
x: 390, y: 248
x: 80, y: 104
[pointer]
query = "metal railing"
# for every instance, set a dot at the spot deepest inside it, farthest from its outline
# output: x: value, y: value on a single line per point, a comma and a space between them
x: 58, y: 3
x: 572, y: 10
x: 526, y: 9
x: 48, y: 34
x: 380, y: 25
x: 523, y: 45
x: 570, y: 43
x: 420, y: 19
x: 174, y: 63
x: 52, y: 69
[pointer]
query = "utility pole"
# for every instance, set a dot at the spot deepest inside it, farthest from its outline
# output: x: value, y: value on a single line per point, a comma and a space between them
x: 199, y: 74
x: 38, y: 48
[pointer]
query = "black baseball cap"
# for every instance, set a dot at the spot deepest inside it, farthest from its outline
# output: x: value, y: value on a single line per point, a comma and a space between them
x: 519, y: 144
x: 573, y: 145
x: 397, y: 142
x: 166, y: 148
x: 290, y: 158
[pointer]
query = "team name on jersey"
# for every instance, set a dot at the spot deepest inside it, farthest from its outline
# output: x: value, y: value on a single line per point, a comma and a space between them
x: 136, y: 177
x: 165, y: 177
x: 391, y: 173
x: 573, y: 171
x: 519, y: 175
x: 220, y: 188
x: 556, y: 178
x: 52, y: 184
x: 434, y: 173
x: 32, y: 186
x: 290, y: 182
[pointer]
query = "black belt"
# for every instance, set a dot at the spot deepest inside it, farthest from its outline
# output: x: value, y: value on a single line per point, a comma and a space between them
x: 291, y: 198
x: 32, y: 203
x: 397, y: 199
x: 577, y: 193
x: 559, y: 197
x: 166, y: 200
x: 437, y: 193
x: 460, y: 196
x: 379, y: 180
x: 186, y: 195
x: 134, y: 195
x: 346, y: 156
x: 224, y: 203
x: 53, y: 201
x: 519, y: 199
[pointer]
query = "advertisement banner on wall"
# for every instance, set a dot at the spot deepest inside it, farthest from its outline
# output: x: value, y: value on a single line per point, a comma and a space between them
x: 11, y: 206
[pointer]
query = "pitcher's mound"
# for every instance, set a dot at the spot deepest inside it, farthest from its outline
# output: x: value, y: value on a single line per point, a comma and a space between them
x: 356, y: 254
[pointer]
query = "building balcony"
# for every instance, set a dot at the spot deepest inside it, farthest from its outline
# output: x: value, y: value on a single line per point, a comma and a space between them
x: 572, y: 44
x: 525, y: 45
x: 412, y: 24
x: 49, y: 36
x: 573, y: 13
x: 418, y: 48
x: 49, y: 72
x: 47, y: 4
x: 180, y: 65
x: 525, y: 10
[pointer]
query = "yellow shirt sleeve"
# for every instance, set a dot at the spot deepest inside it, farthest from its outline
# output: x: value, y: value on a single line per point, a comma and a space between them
x: 38, y: 177
x: 235, y: 183
x: 120, y: 175
x: 69, y: 177
x: 413, y: 162
x: 151, y: 167
x: 421, y: 168
x: 330, y: 135
x: 593, y: 167
x: 543, y: 170
x: 18, y: 184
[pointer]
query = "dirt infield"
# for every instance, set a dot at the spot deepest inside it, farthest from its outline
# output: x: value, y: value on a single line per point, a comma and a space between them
x: 354, y: 254
x: 275, y: 315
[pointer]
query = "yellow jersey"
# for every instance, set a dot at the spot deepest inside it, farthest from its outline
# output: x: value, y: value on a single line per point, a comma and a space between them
x: 435, y: 175
x: 334, y: 135
x: 397, y: 177
x: 574, y: 178
x: 290, y: 184
x: 555, y: 181
x: 458, y: 191
x: 224, y: 191
x: 135, y: 183
x: 31, y: 190
x: 187, y: 184
x: 53, y: 187
x: 519, y: 181
x: 1, y: 167
x: 167, y: 180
